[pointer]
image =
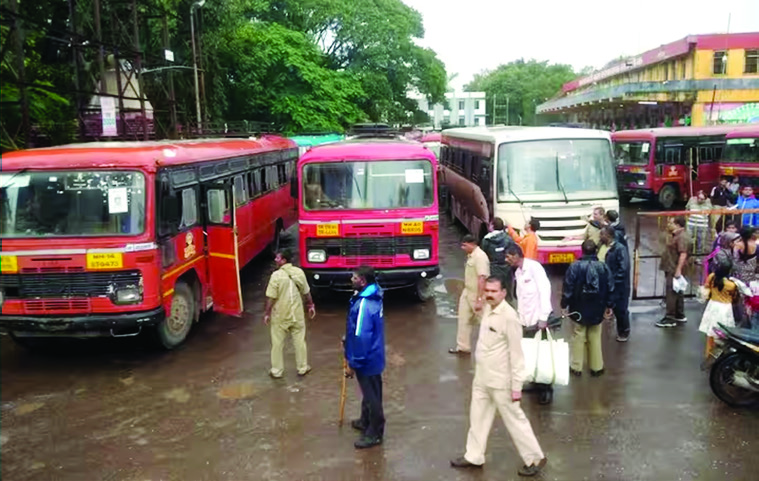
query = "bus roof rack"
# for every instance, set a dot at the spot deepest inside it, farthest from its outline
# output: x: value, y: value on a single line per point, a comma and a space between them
x: 372, y: 130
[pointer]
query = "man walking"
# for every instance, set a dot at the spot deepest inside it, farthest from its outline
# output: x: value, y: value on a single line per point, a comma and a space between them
x: 494, y: 244
x: 588, y: 288
x: 533, y: 302
x: 470, y: 303
x: 365, y: 353
x: 284, y: 313
x: 618, y: 261
x: 674, y: 263
x: 497, y: 385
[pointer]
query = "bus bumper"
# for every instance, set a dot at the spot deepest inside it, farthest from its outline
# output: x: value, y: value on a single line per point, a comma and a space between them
x: 646, y: 194
x: 340, y: 279
x: 99, y: 325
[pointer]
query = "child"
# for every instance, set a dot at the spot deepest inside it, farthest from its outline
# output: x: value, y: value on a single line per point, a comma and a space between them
x: 722, y: 293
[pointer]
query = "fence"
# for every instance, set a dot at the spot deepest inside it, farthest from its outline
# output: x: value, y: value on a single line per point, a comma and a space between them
x: 650, y: 241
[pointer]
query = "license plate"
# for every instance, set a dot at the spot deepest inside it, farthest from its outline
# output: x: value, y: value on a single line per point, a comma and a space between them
x: 412, y: 227
x: 110, y: 260
x: 327, y: 230
x: 561, y: 258
x: 8, y: 264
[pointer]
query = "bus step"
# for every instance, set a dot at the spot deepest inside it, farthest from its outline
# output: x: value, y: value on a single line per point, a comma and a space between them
x: 130, y: 334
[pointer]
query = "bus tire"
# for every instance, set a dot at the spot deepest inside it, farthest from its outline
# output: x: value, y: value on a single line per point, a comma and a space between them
x: 174, y: 328
x: 667, y: 196
x: 423, y: 291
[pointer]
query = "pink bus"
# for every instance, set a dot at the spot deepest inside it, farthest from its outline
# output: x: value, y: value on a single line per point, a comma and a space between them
x: 369, y: 202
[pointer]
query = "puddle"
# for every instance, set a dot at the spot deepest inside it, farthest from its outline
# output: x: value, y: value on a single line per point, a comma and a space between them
x: 238, y: 390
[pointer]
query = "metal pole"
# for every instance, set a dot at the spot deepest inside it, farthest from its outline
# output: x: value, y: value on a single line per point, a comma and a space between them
x: 195, y: 67
x: 494, y: 122
x: 507, y: 110
x: 172, y: 95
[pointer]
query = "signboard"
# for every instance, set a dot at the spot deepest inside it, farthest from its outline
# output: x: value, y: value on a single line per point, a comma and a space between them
x: 108, y: 114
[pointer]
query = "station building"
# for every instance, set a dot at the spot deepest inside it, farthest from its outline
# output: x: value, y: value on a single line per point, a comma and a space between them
x: 698, y: 80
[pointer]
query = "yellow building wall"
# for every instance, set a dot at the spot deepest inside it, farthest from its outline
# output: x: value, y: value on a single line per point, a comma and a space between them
x: 736, y: 59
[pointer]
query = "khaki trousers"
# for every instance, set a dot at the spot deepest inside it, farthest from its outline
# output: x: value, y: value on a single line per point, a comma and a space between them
x: 467, y: 318
x: 590, y: 335
x: 485, y: 401
x: 279, y: 332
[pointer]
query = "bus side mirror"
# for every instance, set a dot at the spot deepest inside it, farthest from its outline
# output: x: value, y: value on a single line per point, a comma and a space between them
x: 170, y: 215
x: 294, y: 188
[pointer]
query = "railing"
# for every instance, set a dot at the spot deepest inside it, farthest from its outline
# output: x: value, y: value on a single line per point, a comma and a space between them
x: 647, y: 256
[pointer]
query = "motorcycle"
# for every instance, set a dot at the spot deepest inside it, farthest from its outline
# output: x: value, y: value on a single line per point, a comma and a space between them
x: 734, y: 376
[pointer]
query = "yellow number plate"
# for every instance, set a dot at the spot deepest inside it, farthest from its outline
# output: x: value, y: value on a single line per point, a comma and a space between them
x: 327, y: 230
x: 412, y: 227
x: 110, y: 260
x: 561, y: 258
x: 8, y: 264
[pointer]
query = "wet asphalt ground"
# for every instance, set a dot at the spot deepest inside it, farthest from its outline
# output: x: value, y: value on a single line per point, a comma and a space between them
x: 120, y: 410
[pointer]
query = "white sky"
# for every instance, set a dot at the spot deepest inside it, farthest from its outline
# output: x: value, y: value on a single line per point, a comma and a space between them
x: 473, y: 35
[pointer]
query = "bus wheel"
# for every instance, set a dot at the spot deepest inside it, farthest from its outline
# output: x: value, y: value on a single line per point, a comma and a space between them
x: 173, y: 330
x: 667, y: 196
x: 424, y: 291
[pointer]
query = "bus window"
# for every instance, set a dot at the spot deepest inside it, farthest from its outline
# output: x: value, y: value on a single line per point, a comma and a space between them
x: 218, y: 207
x: 189, y: 208
x: 262, y: 185
x: 241, y: 196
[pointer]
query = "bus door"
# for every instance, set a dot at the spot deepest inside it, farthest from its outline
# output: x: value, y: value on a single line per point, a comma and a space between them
x: 221, y: 241
x: 670, y: 172
x: 708, y: 156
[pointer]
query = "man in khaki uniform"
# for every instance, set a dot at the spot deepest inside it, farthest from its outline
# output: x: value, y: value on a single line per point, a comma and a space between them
x: 593, y: 229
x: 498, y: 379
x: 284, y: 312
x: 470, y: 303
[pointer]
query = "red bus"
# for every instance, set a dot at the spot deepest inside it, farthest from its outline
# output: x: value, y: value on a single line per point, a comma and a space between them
x: 369, y: 202
x: 108, y: 239
x: 668, y: 165
x: 741, y: 154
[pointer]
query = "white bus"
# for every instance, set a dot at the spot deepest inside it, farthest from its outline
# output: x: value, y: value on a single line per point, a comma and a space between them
x: 556, y: 175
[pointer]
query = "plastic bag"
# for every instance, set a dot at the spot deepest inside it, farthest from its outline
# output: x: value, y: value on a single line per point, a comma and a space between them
x: 702, y: 294
x: 680, y: 285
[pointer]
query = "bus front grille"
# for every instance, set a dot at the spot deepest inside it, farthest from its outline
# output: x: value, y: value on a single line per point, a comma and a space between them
x: 82, y: 285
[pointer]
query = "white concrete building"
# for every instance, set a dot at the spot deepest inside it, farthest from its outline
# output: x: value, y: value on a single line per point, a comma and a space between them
x: 463, y: 109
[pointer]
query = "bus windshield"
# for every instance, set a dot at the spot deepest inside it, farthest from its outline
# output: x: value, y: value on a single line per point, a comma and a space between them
x: 368, y: 185
x: 632, y: 153
x: 57, y: 204
x: 741, y: 150
x: 553, y: 170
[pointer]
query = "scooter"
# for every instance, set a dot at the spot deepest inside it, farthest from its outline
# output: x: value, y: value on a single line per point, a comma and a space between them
x: 734, y: 376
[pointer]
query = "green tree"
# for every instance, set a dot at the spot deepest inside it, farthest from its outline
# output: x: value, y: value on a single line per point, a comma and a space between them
x: 524, y: 84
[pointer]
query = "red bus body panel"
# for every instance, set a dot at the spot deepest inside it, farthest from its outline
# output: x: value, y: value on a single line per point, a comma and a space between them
x: 367, y: 226
x: 215, y: 262
x: 743, y: 169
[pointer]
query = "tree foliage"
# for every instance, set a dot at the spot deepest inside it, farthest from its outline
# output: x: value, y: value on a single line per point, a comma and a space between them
x: 524, y: 84
x: 303, y: 65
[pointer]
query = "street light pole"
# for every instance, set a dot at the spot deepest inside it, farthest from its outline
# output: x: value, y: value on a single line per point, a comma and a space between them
x: 197, y: 4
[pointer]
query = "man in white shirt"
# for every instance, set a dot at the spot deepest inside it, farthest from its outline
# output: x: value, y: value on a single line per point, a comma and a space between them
x: 533, y: 301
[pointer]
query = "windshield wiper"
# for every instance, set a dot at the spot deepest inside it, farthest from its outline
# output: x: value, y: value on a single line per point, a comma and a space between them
x: 511, y: 191
x: 558, y: 180
x: 10, y: 179
x: 355, y: 181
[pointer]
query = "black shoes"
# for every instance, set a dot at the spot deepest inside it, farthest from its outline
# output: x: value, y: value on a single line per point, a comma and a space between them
x: 533, y: 469
x: 598, y: 373
x: 357, y: 425
x: 545, y: 397
x: 463, y: 463
x: 575, y: 372
x: 367, y: 442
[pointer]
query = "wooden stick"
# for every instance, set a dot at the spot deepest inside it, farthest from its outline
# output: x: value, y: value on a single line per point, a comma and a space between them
x: 343, y: 393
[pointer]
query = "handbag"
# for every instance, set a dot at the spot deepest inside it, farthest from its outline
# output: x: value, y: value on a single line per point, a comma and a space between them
x: 546, y: 361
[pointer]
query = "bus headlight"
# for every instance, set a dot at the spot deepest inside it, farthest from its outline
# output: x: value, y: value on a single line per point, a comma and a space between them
x: 127, y: 295
x: 317, y: 256
x: 421, y: 254
x: 641, y: 182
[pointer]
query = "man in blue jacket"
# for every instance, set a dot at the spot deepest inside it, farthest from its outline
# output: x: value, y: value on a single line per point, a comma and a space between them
x: 365, y: 353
